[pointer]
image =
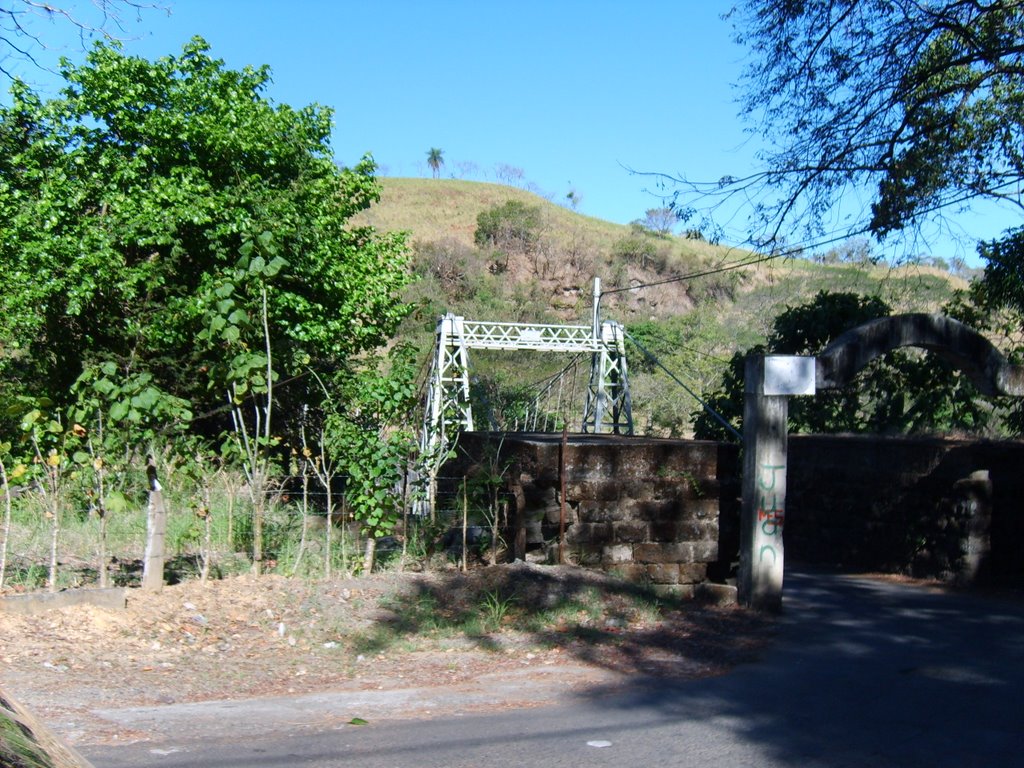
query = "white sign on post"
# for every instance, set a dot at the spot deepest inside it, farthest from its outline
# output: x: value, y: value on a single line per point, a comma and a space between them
x: 788, y: 375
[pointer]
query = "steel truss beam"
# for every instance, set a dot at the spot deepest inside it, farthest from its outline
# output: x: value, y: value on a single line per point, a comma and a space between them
x: 608, y: 407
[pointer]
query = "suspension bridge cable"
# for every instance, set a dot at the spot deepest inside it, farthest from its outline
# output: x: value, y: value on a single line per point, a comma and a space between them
x: 694, y: 381
x: 694, y: 350
x: 549, y: 383
x: 717, y: 416
x: 550, y: 379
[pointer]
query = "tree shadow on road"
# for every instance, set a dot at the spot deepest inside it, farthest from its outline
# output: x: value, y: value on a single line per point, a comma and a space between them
x: 595, y: 618
x: 862, y: 672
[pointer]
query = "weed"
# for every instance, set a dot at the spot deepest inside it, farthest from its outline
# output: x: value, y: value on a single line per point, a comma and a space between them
x: 647, y: 611
x: 494, y: 609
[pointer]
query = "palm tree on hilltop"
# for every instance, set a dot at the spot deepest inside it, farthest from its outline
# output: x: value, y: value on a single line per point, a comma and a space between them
x: 435, y: 159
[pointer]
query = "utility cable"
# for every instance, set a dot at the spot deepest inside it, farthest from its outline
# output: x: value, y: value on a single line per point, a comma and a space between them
x: 763, y: 258
x: 717, y: 416
x: 692, y: 350
x: 832, y: 239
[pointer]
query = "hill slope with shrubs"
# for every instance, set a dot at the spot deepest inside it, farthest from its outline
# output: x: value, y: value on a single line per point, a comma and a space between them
x: 493, y: 252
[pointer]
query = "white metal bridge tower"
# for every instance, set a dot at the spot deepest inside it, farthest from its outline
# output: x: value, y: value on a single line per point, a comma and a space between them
x: 608, y: 407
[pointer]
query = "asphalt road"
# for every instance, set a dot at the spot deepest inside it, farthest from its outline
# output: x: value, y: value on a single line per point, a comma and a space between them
x: 863, y: 674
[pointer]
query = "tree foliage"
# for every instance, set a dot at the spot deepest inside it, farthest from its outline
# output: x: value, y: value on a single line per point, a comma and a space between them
x: 369, y: 429
x: 920, y: 104
x: 995, y: 305
x: 659, y: 221
x: 513, y: 226
x: 149, y: 209
x: 905, y: 391
x: 677, y: 351
x: 1003, y: 283
x: 435, y: 159
x: 915, y: 107
x: 638, y: 247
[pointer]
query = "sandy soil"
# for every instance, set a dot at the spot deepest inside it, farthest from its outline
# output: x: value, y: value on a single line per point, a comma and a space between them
x: 247, y: 637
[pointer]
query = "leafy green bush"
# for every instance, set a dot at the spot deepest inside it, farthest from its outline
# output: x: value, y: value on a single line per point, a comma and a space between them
x: 511, y: 227
x: 905, y: 391
x: 182, y: 208
x: 636, y: 248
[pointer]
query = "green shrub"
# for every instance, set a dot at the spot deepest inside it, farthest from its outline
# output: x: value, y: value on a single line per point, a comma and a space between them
x: 635, y: 249
x: 511, y: 227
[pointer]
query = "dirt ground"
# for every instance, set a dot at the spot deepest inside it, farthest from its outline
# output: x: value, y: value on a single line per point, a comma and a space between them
x: 247, y: 637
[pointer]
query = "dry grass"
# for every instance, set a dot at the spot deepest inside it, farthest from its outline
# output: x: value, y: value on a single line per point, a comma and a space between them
x: 436, y: 209
x: 245, y: 637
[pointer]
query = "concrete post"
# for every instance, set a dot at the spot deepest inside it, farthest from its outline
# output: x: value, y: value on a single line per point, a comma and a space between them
x: 156, y: 527
x: 763, y: 510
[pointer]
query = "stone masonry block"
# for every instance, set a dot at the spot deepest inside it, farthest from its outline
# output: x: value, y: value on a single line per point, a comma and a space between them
x: 663, y: 553
x: 602, y: 512
x: 692, y: 573
x: 702, y: 509
x: 589, y: 533
x: 640, y: 489
x: 553, y: 515
x: 704, y: 551
x: 595, y: 460
x: 617, y: 553
x: 630, y: 532
x: 715, y: 594
x: 606, y: 489
x: 685, y: 530
x: 584, y: 555
x: 631, y: 572
x: 682, y: 530
x: 699, y: 458
x: 663, y: 573
x: 654, y: 511
x: 663, y: 530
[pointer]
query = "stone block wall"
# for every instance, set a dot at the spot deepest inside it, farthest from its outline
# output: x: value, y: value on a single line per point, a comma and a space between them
x: 951, y: 509
x: 647, y: 508
x: 667, y: 511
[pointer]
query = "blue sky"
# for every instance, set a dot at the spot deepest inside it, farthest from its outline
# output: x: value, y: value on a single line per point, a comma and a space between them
x: 571, y: 93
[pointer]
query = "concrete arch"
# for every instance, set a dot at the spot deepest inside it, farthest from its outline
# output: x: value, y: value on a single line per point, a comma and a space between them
x: 765, y: 429
x: 959, y: 344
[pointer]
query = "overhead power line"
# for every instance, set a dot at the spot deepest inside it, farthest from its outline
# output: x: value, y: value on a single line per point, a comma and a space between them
x: 717, y: 416
x: 791, y: 251
x: 830, y: 239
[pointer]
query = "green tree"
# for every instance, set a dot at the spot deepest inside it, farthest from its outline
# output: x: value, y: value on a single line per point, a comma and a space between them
x: 905, y: 391
x: 674, y: 360
x: 856, y: 251
x: 369, y: 428
x: 152, y: 208
x: 1003, y: 283
x: 995, y: 305
x: 118, y: 420
x: 435, y: 159
x: 642, y: 248
x: 918, y: 104
x: 660, y: 221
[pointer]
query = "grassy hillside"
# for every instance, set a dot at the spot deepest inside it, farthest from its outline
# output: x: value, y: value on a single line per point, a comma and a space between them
x: 696, y: 324
x: 437, y: 209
